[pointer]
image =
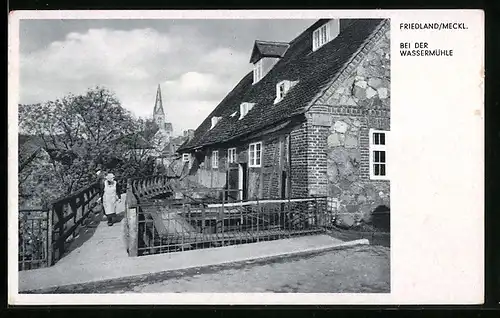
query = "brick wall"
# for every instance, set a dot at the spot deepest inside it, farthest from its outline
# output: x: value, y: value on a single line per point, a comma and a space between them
x: 316, y: 159
x: 298, y: 160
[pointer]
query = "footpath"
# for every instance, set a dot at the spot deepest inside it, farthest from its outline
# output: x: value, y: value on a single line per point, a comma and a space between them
x: 103, y: 261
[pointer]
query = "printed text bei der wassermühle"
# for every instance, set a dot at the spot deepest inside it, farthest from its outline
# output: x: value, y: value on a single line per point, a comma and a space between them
x: 424, y: 48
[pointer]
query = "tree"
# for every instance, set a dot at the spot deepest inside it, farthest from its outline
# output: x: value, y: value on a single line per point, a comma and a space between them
x: 80, y: 134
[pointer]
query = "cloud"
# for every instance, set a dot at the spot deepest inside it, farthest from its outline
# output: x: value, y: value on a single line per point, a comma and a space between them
x: 195, y: 85
x: 195, y: 75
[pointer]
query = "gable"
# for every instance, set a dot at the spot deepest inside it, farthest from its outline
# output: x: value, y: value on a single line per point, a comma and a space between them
x: 366, y: 81
x: 268, y: 49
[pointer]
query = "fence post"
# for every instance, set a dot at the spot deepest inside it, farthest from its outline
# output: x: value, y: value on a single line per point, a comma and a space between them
x: 60, y: 242
x: 49, y: 236
x: 222, y: 216
x: 203, y: 218
x: 258, y: 213
x: 131, y: 209
x: 74, y: 210
x: 132, y: 231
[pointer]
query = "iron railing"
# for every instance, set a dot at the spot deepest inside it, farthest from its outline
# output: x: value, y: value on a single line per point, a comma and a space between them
x: 34, y: 238
x: 211, y: 221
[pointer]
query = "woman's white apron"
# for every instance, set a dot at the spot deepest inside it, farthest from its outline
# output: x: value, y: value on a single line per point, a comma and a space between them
x: 109, y: 198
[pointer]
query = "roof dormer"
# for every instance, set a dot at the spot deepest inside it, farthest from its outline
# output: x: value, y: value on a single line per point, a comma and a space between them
x: 282, y: 88
x: 325, y: 33
x: 264, y: 56
x: 245, y: 108
x: 215, y: 120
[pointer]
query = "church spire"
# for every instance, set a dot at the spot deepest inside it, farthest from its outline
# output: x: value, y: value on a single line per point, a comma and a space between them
x: 158, y: 110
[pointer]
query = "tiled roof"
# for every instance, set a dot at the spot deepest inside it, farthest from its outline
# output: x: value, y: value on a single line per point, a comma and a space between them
x: 28, y: 148
x: 313, y: 70
x: 268, y: 49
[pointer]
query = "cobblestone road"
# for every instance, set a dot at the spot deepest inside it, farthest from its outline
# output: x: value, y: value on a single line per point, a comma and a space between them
x: 360, y: 269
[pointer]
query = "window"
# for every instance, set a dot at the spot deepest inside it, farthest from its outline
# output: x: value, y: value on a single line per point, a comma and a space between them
x: 255, y: 154
x: 215, y: 120
x: 258, y: 71
x: 378, y: 155
x: 245, y: 108
x: 185, y: 157
x: 231, y: 155
x: 280, y: 90
x: 321, y: 36
x: 215, y: 159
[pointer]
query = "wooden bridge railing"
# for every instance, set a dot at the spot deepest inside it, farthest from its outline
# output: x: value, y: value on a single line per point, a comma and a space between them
x: 57, y: 222
x: 149, y: 187
x: 68, y: 215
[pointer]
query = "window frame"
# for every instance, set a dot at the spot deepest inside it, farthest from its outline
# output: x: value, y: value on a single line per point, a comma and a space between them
x: 231, y: 155
x: 214, y: 121
x: 258, y: 70
x: 215, y: 159
x: 184, y: 156
x: 372, y: 148
x: 247, y: 107
x: 279, y: 85
x: 318, y: 40
x: 252, y: 161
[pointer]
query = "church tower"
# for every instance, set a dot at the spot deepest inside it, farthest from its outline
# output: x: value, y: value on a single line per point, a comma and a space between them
x: 158, y: 113
x: 164, y: 133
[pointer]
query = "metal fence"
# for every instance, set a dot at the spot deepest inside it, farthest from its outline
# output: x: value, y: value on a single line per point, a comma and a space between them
x: 212, y: 220
x: 34, y: 238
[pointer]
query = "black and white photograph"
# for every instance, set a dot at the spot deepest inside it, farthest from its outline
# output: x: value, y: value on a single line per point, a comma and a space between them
x: 204, y: 156
x: 243, y: 155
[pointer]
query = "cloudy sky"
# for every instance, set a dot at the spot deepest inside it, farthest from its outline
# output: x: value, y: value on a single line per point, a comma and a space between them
x: 196, y: 62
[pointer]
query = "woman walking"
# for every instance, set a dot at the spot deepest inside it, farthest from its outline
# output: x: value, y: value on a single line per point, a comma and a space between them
x: 110, y: 198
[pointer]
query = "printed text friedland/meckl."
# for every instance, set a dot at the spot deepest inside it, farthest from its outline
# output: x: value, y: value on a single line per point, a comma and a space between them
x: 433, y: 26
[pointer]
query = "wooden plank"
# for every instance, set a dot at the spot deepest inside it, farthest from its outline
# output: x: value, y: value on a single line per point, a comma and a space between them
x: 256, y: 202
x: 195, y: 237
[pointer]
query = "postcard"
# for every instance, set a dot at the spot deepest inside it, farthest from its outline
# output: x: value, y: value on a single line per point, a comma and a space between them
x: 246, y: 157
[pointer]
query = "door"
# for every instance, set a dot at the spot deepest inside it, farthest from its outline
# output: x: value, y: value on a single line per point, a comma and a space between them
x: 284, y: 185
x: 243, y: 182
x: 232, y: 184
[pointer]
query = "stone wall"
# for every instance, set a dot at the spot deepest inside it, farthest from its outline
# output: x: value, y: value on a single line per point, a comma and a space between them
x: 367, y: 85
x: 357, y: 102
x: 348, y: 185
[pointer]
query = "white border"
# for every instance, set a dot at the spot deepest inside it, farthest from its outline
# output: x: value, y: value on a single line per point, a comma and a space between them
x: 427, y: 246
